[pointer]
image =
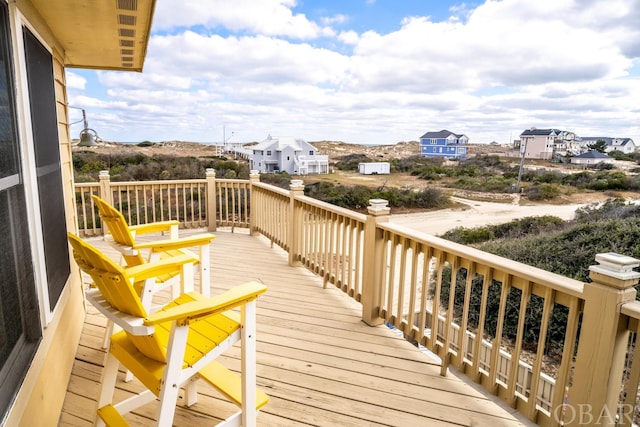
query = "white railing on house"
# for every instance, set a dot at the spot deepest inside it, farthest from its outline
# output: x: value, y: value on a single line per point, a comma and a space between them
x: 403, y: 277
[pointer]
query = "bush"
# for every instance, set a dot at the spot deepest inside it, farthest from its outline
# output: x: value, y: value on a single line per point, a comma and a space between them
x: 518, y: 228
x: 138, y: 167
x: 542, y: 192
x: 357, y: 197
x: 350, y: 162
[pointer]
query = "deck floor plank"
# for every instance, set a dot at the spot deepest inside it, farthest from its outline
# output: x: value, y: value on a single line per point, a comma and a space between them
x: 320, y: 364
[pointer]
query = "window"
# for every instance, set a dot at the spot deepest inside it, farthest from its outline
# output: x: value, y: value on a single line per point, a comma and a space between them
x: 433, y: 141
x: 311, y: 152
x: 42, y: 100
x: 268, y: 152
x: 19, y: 317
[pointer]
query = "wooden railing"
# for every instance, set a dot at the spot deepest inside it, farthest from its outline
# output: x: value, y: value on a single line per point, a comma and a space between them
x: 191, y: 202
x: 469, y: 308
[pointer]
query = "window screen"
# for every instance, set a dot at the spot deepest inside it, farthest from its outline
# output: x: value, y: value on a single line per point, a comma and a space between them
x: 44, y: 122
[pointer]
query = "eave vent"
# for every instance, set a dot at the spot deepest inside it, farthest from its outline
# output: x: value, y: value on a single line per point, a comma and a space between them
x: 126, y: 43
x: 125, y: 32
x: 126, y: 51
x: 128, y: 4
x: 126, y: 20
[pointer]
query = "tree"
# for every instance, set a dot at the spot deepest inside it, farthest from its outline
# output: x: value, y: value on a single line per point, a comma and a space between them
x: 600, y: 146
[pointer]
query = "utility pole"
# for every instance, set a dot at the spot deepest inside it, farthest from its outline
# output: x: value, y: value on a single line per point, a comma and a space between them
x: 523, y: 152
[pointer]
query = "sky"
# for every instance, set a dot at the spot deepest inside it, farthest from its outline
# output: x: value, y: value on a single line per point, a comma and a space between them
x: 372, y: 71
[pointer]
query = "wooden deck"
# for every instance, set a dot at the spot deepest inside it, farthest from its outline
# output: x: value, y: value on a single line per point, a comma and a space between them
x: 318, y: 362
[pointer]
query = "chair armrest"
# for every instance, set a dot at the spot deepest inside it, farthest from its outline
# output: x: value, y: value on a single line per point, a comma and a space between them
x: 153, y: 227
x: 157, y: 268
x: 194, y: 310
x: 132, y: 324
x: 181, y: 243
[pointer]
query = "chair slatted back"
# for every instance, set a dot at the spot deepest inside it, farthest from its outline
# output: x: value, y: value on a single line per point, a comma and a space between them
x: 117, y: 288
x: 119, y: 229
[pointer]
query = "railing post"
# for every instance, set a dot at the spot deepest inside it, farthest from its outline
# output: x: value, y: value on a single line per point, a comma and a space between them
x: 254, y: 177
x: 371, y: 276
x: 105, y: 192
x: 603, y: 341
x: 296, y: 189
x: 212, y: 216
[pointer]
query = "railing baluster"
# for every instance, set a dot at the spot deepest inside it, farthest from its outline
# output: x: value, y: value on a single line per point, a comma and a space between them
x: 537, y: 366
x: 464, y: 323
x: 497, y: 341
x: 426, y: 269
x: 446, y: 356
x: 400, y: 312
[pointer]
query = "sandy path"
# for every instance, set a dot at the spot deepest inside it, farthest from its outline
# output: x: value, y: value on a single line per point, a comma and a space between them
x: 478, y: 214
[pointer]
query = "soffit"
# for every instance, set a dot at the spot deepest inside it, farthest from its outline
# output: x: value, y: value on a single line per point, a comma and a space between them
x: 104, y: 34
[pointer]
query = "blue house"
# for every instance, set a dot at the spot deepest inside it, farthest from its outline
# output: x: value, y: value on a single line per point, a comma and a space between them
x: 443, y: 144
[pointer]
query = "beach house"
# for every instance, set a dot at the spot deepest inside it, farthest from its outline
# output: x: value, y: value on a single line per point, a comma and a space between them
x: 444, y: 144
x: 287, y: 154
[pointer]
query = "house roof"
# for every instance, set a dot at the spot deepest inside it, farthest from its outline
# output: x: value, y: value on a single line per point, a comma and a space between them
x: 608, y: 140
x: 593, y: 154
x: 278, y: 143
x: 111, y: 35
x: 443, y: 134
x: 544, y: 132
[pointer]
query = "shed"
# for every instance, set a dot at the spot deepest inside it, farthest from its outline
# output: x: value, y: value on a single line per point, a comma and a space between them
x: 374, y: 168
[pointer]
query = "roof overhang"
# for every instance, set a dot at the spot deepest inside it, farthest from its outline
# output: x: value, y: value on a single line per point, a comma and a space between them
x: 100, y: 34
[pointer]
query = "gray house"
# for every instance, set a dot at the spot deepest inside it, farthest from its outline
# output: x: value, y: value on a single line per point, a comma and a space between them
x: 592, y: 157
x: 287, y: 154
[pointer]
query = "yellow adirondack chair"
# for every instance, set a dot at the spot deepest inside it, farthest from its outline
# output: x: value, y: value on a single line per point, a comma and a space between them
x: 123, y: 238
x: 170, y: 348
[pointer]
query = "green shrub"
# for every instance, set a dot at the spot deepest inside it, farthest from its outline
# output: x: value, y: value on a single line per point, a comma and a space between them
x: 542, y: 192
x: 350, y: 162
x: 138, y: 167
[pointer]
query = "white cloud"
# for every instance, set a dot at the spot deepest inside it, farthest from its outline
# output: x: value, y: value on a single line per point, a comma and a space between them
x: 485, y: 72
x: 267, y: 17
x: 75, y: 81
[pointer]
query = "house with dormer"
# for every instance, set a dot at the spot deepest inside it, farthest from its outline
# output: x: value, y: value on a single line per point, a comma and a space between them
x: 444, y: 144
x: 287, y: 154
x: 625, y: 145
x: 543, y: 143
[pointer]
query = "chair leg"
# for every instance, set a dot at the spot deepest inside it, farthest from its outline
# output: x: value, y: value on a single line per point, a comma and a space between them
x: 108, y: 331
x: 108, y: 384
x: 171, y: 376
x: 248, y: 343
x: 191, y: 392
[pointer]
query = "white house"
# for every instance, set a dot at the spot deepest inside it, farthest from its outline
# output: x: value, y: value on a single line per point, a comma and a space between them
x: 288, y: 154
x: 626, y: 145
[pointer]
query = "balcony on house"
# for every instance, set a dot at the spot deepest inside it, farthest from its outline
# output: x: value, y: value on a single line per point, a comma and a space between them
x: 356, y: 327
